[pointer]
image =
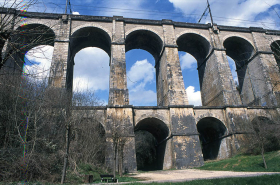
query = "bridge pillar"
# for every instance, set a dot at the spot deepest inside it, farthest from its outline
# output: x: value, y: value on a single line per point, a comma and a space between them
x: 185, y: 138
x: 170, y: 84
x: 216, y: 82
x: 120, y: 126
x: 262, y: 74
x: 118, y: 93
x: 60, y: 65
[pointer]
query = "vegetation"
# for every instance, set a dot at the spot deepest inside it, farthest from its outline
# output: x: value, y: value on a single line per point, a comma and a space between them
x: 266, y: 179
x: 251, y: 163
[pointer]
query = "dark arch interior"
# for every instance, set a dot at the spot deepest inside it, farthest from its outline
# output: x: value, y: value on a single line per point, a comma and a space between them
x: 240, y: 51
x: 146, y: 40
x: 150, y: 135
x: 25, y: 38
x: 195, y: 45
x: 275, y: 47
x: 211, y: 130
x: 198, y: 47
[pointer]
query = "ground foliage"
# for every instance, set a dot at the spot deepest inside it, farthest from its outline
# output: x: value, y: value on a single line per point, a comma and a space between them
x: 33, y: 121
x: 243, y: 162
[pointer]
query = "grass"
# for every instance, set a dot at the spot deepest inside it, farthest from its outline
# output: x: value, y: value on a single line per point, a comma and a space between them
x: 248, y: 163
x: 261, y: 180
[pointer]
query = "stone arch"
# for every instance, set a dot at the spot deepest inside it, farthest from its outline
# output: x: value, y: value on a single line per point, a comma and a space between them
x: 160, y: 131
x: 143, y: 28
x: 90, y: 37
x: 22, y: 40
x: 83, y: 38
x: 192, y: 32
x: 275, y: 47
x: 152, y: 115
x: 91, y: 25
x: 194, y: 44
x: 26, y: 21
x: 146, y: 40
x: 197, y: 46
x: 241, y: 51
x: 211, y: 130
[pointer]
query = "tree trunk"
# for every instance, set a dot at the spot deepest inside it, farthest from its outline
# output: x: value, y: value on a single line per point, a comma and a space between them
x: 264, y: 162
x: 66, y: 154
x: 115, y: 159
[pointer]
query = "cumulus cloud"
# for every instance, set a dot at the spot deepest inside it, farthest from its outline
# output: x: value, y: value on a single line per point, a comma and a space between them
x: 187, y: 61
x: 38, y: 62
x: 234, y: 13
x: 140, y: 71
x: 139, y: 76
x: 76, y: 13
x: 91, y: 70
x: 194, y: 97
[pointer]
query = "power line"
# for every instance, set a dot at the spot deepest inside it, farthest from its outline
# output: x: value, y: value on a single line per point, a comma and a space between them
x: 160, y: 13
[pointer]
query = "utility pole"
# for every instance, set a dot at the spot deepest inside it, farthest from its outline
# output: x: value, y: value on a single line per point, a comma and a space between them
x: 212, y: 23
x: 66, y: 6
x: 209, y: 9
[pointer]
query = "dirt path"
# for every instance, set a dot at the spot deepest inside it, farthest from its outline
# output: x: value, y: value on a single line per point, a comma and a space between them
x: 192, y: 174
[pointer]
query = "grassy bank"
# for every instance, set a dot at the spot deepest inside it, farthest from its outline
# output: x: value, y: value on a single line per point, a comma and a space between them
x: 250, y: 163
x: 266, y: 179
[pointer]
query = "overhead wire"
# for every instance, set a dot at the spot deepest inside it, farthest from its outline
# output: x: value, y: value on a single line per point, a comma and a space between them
x: 160, y: 13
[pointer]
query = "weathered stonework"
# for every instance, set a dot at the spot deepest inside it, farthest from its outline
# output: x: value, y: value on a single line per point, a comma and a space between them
x: 178, y: 127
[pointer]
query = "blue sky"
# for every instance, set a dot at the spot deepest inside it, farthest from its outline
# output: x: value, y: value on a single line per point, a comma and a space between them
x: 91, y: 68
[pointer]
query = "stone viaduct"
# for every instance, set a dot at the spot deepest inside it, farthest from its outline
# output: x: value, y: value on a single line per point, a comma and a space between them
x: 178, y: 127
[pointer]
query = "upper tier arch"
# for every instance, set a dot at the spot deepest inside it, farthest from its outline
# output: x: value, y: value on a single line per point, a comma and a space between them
x: 146, y: 40
x: 90, y: 37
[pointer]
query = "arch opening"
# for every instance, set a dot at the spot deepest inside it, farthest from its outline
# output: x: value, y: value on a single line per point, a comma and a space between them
x: 91, y: 72
x: 150, y: 143
x: 88, y: 68
x: 275, y: 47
x: 188, y: 66
x: 240, y: 51
x: 197, y: 49
x: 141, y: 81
x: 24, y: 39
x: 90, y: 37
x: 146, y: 40
x: 37, y: 63
x: 211, y: 130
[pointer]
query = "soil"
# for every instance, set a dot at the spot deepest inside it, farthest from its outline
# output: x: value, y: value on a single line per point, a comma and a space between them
x: 193, y: 174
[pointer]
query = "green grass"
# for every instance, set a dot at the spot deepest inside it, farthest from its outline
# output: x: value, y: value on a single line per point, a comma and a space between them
x: 261, y: 180
x: 248, y: 163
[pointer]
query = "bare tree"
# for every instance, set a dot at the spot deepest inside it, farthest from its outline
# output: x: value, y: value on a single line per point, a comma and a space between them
x: 262, y: 136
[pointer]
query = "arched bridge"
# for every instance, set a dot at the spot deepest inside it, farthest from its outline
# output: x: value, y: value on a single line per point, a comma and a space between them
x: 180, y: 129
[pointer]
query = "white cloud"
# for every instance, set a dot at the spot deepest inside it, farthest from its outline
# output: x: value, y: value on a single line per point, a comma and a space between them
x: 91, y: 70
x: 187, y: 61
x: 139, y: 76
x: 193, y: 97
x: 141, y: 71
x: 76, y: 13
x: 38, y: 61
x: 233, y: 12
x: 139, y: 96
